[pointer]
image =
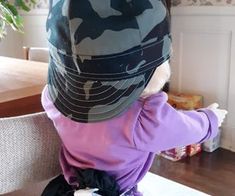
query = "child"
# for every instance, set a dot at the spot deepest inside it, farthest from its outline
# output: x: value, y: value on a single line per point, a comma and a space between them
x: 108, y: 62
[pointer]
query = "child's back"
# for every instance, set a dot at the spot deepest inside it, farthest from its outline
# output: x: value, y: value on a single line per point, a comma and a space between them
x: 104, y: 97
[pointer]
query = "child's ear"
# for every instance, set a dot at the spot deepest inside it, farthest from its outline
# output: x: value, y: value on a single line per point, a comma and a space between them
x: 158, y: 80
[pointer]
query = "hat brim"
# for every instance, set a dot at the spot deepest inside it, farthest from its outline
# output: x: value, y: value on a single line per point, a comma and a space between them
x: 91, y: 101
x: 85, y: 100
x: 101, y: 87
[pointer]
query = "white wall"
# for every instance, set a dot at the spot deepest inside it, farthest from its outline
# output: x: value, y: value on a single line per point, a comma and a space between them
x: 35, y: 28
x: 204, y: 58
x: 11, y: 45
x: 34, y: 34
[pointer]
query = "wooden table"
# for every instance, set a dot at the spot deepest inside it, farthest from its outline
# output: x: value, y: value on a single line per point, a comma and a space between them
x: 21, y: 84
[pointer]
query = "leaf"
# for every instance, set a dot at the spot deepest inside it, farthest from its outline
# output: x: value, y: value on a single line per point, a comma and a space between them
x: 12, y: 8
x: 21, y: 4
x: 9, y: 14
x: 2, y: 29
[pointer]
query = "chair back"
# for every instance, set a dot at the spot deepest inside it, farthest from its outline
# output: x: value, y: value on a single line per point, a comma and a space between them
x: 36, y: 54
x: 29, y: 149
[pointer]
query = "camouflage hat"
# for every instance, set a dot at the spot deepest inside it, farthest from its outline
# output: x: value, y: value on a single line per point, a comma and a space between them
x: 103, y: 53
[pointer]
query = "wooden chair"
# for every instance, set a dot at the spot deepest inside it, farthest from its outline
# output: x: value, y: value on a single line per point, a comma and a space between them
x: 36, y: 54
x: 29, y: 148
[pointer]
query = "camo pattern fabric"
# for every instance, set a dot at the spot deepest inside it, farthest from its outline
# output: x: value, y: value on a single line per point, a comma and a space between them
x: 103, y: 53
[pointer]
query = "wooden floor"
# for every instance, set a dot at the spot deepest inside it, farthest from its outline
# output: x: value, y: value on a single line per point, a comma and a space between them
x: 212, y: 173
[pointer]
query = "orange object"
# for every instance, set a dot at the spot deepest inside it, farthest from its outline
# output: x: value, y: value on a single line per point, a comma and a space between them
x: 193, y: 149
x: 175, y: 154
x: 185, y: 101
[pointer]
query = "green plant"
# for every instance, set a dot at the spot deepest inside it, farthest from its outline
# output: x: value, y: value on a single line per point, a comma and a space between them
x: 9, y: 14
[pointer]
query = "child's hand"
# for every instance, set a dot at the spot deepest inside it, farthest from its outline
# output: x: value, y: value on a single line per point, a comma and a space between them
x: 220, y: 113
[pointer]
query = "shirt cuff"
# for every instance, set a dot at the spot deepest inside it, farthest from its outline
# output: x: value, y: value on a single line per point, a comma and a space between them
x: 213, y: 129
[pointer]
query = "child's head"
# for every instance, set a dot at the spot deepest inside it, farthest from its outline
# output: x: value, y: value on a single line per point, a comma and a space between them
x: 101, y: 60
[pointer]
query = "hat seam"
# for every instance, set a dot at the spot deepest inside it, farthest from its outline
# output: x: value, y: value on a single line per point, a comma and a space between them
x: 83, y: 94
x: 88, y: 107
x: 53, y: 70
x: 93, y: 94
x: 73, y: 55
x: 91, y: 119
x: 167, y: 54
x: 100, y: 119
x: 92, y: 88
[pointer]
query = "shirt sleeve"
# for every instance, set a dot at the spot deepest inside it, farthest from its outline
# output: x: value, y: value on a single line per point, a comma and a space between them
x: 161, y: 127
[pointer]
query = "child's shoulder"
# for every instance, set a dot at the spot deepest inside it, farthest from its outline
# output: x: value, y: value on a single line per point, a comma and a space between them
x: 159, y: 97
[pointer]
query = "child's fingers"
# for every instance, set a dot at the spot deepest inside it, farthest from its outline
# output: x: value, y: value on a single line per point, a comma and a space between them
x: 225, y: 112
x: 213, y: 106
x: 222, y: 112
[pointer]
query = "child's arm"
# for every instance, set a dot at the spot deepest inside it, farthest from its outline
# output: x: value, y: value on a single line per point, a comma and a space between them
x: 161, y: 127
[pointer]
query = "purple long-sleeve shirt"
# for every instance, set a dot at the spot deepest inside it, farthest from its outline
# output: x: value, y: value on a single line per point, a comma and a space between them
x: 125, y: 146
